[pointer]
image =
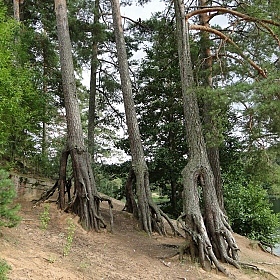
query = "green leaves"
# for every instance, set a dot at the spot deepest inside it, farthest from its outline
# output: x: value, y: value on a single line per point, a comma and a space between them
x: 8, y: 212
x: 21, y: 107
x: 249, y: 211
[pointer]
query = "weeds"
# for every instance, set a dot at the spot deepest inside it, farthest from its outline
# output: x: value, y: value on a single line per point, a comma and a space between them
x: 69, y: 238
x: 4, y: 269
x: 45, y: 217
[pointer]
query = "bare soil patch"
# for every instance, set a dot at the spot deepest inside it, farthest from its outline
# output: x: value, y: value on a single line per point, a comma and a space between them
x: 128, y: 253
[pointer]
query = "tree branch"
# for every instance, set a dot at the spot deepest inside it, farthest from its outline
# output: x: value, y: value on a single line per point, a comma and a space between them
x: 222, y: 10
x: 227, y: 39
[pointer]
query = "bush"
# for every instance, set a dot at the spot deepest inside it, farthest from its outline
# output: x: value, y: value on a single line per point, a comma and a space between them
x: 8, y: 212
x: 250, y: 212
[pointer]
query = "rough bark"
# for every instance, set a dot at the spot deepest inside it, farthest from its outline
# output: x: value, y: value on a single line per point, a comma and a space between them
x: 86, y: 201
x: 16, y: 10
x: 206, y: 226
x: 149, y: 214
x: 210, y: 125
x: 93, y: 82
x: 130, y: 204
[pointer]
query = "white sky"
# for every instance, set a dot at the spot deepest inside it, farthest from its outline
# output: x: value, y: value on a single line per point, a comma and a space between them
x: 135, y: 12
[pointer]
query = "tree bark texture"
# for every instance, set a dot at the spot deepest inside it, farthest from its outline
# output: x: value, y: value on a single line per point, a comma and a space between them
x: 150, y: 216
x: 16, y: 10
x: 86, y: 202
x: 209, y: 122
x: 206, y: 225
x: 93, y: 82
x: 130, y: 203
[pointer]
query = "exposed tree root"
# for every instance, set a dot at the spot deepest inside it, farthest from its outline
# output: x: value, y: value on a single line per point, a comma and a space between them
x: 264, y: 246
x: 86, y: 200
x: 259, y: 270
x: 151, y: 217
x: 46, y: 194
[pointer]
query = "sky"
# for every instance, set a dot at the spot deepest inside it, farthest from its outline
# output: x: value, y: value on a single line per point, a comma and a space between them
x: 135, y: 12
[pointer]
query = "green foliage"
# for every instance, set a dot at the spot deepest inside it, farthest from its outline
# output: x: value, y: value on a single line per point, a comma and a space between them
x: 45, y: 217
x: 110, y: 181
x: 8, y: 212
x: 4, y: 269
x: 21, y: 107
x: 249, y: 211
x: 69, y: 238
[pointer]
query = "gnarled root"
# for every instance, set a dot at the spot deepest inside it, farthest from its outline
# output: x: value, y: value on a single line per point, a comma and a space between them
x: 200, y: 246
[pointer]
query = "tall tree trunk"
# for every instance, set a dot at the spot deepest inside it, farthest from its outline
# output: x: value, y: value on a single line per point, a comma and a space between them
x: 150, y: 216
x: 210, y: 124
x: 86, y: 202
x: 93, y: 84
x: 16, y: 10
x: 206, y: 226
x: 45, y: 92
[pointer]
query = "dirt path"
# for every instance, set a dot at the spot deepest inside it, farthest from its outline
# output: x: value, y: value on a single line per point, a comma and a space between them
x: 128, y: 253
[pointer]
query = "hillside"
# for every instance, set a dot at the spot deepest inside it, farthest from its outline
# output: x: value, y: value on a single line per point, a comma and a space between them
x: 128, y: 253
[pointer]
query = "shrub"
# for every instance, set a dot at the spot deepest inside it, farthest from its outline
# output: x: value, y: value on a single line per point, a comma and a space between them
x: 250, y: 212
x: 8, y: 212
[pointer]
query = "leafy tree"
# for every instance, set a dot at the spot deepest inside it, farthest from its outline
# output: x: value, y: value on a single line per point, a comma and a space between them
x: 249, y: 210
x: 21, y: 106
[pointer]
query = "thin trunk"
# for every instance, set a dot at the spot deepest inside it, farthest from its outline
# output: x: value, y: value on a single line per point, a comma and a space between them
x: 62, y: 179
x: 173, y: 184
x: 93, y: 84
x: 16, y: 10
x: 86, y: 202
x: 210, y: 237
x: 45, y: 92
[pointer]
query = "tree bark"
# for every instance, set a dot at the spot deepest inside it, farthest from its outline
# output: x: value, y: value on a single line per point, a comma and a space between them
x: 210, y: 125
x: 130, y: 205
x: 16, y: 10
x: 93, y: 82
x: 150, y: 216
x: 86, y: 201
x: 211, y: 237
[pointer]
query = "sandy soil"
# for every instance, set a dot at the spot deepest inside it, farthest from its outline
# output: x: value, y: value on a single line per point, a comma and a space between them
x: 128, y: 253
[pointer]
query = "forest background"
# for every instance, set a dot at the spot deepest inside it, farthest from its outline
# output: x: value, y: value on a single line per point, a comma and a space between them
x: 238, y: 99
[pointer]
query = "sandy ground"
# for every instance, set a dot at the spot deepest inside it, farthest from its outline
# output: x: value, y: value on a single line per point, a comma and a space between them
x: 128, y: 253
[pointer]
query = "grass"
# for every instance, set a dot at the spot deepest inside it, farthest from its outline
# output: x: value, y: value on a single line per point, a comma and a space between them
x: 158, y: 199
